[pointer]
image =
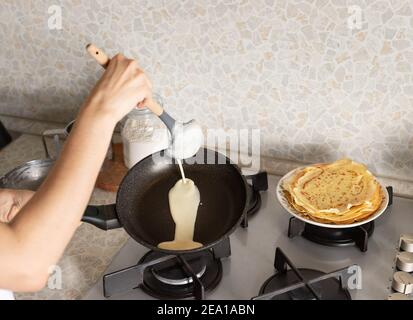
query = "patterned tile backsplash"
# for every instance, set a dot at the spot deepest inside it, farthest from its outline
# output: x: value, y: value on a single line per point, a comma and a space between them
x: 321, y: 79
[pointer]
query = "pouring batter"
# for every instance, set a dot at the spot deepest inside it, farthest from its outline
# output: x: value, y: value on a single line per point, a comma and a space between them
x: 184, y: 200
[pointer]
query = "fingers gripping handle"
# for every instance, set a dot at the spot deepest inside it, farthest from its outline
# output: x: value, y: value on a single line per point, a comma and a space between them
x: 154, y: 107
x: 103, y: 59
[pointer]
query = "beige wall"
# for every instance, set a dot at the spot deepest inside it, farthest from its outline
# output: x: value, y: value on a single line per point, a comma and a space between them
x: 317, y: 89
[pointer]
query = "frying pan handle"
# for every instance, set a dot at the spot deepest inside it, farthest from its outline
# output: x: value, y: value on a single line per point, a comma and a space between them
x: 103, y: 217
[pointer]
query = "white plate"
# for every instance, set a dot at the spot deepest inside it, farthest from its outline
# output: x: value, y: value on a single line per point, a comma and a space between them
x: 286, y: 205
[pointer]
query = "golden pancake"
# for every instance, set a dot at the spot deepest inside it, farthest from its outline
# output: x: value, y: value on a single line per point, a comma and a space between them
x: 342, y: 192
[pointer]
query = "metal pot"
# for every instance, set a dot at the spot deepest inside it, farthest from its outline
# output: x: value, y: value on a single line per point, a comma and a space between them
x: 30, y: 175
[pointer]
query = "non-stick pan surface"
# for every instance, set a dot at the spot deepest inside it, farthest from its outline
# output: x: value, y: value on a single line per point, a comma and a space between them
x: 142, y: 201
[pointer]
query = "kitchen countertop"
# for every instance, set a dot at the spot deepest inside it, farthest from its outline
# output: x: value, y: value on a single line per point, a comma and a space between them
x: 89, y: 252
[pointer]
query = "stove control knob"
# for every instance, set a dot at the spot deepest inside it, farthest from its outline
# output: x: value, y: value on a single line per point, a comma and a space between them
x: 403, y: 282
x: 398, y: 296
x: 406, y: 242
x: 404, y: 261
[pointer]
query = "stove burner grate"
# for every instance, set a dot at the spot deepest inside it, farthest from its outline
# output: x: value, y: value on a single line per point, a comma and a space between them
x: 303, y: 284
x: 171, y: 276
x: 176, y: 282
x: 336, y: 237
x: 259, y: 182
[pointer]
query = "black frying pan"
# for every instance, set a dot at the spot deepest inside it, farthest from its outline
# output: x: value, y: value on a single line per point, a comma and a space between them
x: 142, y: 207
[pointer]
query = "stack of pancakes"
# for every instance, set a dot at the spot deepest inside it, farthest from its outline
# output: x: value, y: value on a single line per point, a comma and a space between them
x: 342, y: 192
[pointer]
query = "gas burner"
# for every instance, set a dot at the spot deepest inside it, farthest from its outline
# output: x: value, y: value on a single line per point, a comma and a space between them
x: 332, y: 236
x: 172, y: 280
x: 171, y: 276
x: 303, y: 284
x: 336, y: 237
x: 259, y: 182
x: 171, y: 273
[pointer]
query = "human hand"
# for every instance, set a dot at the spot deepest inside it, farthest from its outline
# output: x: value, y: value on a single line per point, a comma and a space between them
x: 122, y: 87
x: 11, y: 201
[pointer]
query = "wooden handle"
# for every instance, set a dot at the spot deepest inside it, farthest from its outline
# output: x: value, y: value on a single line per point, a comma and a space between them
x: 153, y: 106
x: 98, y: 55
x: 103, y: 59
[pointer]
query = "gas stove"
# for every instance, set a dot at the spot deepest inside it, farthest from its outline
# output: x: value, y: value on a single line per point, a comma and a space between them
x: 186, y: 275
x: 242, y: 267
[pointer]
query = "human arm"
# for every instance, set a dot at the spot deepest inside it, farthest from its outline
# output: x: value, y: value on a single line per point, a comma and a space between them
x: 37, y: 237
